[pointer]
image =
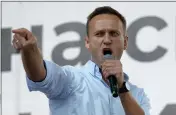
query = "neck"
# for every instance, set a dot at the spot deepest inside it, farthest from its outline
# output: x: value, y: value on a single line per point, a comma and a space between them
x: 96, y: 62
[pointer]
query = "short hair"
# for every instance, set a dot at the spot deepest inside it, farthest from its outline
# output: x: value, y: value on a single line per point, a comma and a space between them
x: 105, y: 10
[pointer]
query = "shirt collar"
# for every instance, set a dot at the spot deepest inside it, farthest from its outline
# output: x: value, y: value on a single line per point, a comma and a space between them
x: 95, y: 71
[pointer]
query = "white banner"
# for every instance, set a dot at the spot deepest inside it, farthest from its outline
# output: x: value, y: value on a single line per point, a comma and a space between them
x: 150, y: 60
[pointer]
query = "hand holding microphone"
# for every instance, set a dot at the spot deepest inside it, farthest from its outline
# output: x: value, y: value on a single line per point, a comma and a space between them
x: 112, y: 72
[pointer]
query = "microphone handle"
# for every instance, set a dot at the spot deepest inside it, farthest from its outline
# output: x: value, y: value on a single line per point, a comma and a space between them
x: 113, y: 86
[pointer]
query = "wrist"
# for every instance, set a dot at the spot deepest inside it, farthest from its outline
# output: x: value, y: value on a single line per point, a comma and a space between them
x: 125, y: 87
x: 123, y: 95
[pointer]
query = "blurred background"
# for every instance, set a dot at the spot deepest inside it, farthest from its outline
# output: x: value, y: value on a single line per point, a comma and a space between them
x: 150, y: 60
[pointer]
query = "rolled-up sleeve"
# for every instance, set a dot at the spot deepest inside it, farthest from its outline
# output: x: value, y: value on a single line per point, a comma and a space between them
x: 144, y: 102
x: 59, y: 81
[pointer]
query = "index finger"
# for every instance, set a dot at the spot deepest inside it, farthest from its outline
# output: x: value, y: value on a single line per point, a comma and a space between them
x: 22, y: 31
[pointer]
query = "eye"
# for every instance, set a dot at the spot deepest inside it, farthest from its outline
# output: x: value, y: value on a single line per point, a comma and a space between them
x: 114, y: 33
x: 99, y: 34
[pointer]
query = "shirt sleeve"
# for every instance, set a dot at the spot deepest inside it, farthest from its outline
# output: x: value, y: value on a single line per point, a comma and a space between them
x: 59, y: 81
x: 144, y: 102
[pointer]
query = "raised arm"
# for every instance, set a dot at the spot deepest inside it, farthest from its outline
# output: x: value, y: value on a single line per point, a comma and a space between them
x: 26, y: 43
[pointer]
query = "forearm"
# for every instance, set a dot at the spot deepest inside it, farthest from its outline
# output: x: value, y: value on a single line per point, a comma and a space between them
x: 130, y: 105
x: 33, y: 63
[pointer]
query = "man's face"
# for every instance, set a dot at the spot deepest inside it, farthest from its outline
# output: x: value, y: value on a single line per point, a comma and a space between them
x: 106, y: 34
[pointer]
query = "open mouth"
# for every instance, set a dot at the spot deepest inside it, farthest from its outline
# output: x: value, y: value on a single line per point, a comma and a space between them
x: 107, y: 51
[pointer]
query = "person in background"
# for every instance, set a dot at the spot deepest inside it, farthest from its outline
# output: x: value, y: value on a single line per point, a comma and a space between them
x: 85, y: 90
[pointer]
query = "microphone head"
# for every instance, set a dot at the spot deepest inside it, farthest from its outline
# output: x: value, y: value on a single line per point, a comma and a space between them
x: 108, y: 56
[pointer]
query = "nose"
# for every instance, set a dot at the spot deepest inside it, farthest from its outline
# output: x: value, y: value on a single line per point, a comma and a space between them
x: 107, y: 40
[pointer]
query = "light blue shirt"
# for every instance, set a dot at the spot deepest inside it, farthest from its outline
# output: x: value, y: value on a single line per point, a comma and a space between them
x: 82, y: 91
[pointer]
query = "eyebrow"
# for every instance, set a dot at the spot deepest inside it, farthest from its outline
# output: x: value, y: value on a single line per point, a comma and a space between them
x: 106, y: 30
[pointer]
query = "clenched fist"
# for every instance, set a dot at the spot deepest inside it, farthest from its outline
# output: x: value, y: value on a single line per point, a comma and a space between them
x: 23, y: 39
x: 113, y: 67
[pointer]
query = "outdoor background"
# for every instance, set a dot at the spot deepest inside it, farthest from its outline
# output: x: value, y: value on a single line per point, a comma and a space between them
x: 150, y: 60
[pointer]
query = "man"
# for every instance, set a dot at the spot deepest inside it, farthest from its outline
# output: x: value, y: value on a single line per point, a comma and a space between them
x: 85, y: 90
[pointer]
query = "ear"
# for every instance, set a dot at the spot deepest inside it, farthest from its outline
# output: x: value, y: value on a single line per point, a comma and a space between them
x: 125, y: 42
x: 87, y: 42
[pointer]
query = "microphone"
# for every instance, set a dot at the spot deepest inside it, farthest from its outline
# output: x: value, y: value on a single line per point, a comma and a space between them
x: 112, y: 79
